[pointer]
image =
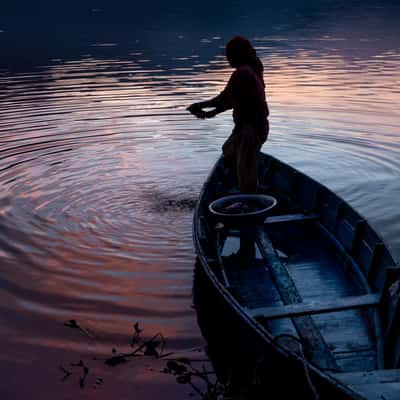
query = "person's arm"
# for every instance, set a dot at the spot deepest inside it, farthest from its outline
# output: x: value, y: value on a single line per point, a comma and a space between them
x: 220, y: 103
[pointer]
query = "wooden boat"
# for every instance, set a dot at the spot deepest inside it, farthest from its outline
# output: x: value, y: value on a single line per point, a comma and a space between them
x: 316, y: 310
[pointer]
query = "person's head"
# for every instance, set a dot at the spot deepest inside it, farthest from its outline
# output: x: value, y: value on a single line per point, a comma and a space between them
x: 239, y: 51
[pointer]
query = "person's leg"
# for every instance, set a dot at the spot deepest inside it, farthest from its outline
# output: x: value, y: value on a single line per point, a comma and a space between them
x: 229, y: 153
x: 247, y: 172
x: 247, y: 159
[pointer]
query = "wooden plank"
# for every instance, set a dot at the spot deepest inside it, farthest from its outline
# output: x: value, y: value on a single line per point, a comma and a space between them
x: 373, y: 385
x: 315, y: 307
x: 367, y: 377
x: 379, y: 391
x: 314, y: 344
x: 276, y: 219
x: 356, y: 360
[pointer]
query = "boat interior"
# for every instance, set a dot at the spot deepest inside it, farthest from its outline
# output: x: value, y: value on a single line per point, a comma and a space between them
x: 314, y: 274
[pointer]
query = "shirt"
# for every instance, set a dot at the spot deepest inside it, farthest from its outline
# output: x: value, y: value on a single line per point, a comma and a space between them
x: 245, y: 93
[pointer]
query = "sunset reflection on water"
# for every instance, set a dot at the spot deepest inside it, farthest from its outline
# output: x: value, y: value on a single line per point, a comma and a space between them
x: 100, y: 166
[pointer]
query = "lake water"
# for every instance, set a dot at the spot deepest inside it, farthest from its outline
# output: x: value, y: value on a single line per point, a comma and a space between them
x: 100, y: 164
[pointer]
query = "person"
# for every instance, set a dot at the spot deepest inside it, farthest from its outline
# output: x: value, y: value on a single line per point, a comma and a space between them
x: 245, y: 94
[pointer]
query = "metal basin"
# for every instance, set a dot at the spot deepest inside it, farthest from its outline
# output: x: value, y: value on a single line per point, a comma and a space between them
x: 243, y: 210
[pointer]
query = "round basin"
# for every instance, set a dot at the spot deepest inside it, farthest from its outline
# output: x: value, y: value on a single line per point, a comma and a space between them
x: 242, y: 210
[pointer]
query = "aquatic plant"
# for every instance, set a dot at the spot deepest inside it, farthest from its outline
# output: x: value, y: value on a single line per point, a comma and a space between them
x: 186, y: 371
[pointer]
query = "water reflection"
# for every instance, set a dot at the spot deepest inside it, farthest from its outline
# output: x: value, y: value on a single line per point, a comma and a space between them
x: 100, y: 164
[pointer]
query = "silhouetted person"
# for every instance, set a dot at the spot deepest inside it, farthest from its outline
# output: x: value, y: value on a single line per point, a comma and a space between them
x: 245, y: 93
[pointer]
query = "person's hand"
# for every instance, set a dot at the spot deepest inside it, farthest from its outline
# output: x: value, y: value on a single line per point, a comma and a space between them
x: 196, y: 110
x: 211, y: 113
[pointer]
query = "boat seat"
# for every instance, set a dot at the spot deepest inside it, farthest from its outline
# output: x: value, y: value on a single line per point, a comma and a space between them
x: 373, y: 385
x: 280, y: 219
x: 315, y: 307
x: 277, y: 219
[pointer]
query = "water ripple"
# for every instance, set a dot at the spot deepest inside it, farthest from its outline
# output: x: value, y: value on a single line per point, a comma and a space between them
x: 100, y: 167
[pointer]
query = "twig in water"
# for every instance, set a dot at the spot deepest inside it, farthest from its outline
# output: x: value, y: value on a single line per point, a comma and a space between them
x: 67, y: 373
x: 85, y: 372
x: 73, y: 324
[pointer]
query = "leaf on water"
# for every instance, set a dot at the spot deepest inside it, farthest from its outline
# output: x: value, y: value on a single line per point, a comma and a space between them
x: 151, y: 350
x: 181, y: 369
x: 184, y: 379
x: 172, y: 365
x: 71, y: 324
x: 136, y: 336
x: 137, y: 329
x: 175, y: 368
x: 151, y: 347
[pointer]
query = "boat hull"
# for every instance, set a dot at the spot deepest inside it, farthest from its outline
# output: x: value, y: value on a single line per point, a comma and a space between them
x: 244, y: 350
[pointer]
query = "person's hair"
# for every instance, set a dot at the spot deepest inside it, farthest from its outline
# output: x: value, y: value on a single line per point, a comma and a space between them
x: 239, y: 51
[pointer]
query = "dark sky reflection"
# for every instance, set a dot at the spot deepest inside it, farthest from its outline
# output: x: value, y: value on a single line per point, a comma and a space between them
x: 36, y: 32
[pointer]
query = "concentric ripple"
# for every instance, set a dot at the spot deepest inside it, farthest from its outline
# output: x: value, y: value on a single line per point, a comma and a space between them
x: 101, y: 165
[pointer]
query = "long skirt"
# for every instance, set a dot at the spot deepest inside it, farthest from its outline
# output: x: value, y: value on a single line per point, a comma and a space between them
x: 241, y: 152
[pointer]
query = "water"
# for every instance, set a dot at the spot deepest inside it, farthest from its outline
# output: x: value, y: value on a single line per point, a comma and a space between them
x: 100, y: 164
